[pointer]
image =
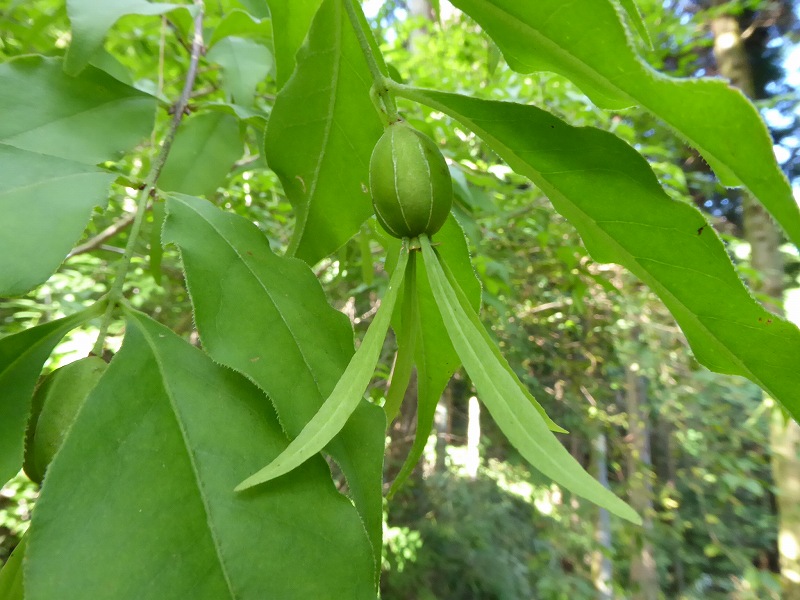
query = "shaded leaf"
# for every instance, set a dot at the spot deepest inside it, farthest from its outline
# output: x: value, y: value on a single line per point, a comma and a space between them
x: 11, y: 584
x: 205, y: 147
x: 22, y: 356
x: 610, y: 194
x: 91, y: 20
x: 344, y: 398
x: 45, y: 202
x: 321, y: 135
x: 587, y: 42
x: 245, y: 63
x: 510, y: 407
x: 267, y: 317
x: 164, y: 418
x: 90, y: 119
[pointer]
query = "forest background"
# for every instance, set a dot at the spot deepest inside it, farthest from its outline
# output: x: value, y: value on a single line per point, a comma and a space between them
x: 697, y: 454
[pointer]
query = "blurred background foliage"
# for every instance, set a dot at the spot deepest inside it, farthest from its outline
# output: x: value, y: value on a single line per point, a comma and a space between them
x: 690, y: 449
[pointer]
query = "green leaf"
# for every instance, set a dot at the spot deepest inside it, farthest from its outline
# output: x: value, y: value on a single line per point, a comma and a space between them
x: 46, y: 203
x: 635, y: 15
x: 267, y: 317
x: 589, y: 45
x: 510, y: 407
x: 166, y: 420
x: 435, y: 357
x: 205, y: 148
x: 240, y: 23
x: 91, y: 20
x: 290, y: 22
x: 245, y: 63
x: 22, y: 356
x: 90, y: 119
x: 610, y: 194
x: 321, y: 135
x: 345, y: 396
x: 11, y: 584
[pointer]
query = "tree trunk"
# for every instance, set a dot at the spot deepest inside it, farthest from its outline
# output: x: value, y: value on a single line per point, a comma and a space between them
x: 602, y: 573
x: 644, y: 575
x: 764, y: 239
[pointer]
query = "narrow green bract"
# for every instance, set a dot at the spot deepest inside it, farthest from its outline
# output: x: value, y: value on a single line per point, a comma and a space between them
x: 411, y: 187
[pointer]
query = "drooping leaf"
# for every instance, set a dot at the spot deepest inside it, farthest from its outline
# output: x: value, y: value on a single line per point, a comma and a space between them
x: 508, y: 404
x: 436, y: 359
x: 587, y: 43
x: 345, y: 396
x: 321, y: 135
x: 290, y: 22
x: 45, y: 202
x: 610, y: 194
x: 91, y: 20
x: 166, y: 420
x: 245, y: 63
x: 90, y: 118
x: 267, y: 317
x: 11, y: 584
x: 22, y: 356
x: 205, y: 147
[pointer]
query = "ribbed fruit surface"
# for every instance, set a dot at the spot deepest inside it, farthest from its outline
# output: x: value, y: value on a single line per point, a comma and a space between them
x: 56, y: 403
x: 411, y: 187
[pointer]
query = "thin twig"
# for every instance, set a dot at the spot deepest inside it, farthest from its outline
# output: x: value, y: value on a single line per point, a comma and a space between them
x: 102, y: 237
x: 115, y: 294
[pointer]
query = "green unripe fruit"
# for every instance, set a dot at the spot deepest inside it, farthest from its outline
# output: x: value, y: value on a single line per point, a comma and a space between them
x: 56, y: 403
x: 411, y: 187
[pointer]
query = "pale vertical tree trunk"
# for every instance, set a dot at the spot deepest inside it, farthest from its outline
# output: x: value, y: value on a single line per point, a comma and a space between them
x: 601, y: 562
x: 644, y: 575
x: 764, y: 239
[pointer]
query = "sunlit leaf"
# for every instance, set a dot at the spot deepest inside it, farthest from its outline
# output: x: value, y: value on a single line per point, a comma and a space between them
x: 321, y: 135
x: 142, y: 492
x: 205, y: 148
x: 243, y: 24
x: 91, y: 20
x: 610, y: 194
x: 267, y: 317
x: 511, y: 409
x: 345, y: 396
x: 587, y: 42
x: 291, y: 22
x: 22, y: 356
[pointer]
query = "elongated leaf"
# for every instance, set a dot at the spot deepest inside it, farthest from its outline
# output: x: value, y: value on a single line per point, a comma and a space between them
x: 91, y: 20
x: 321, y: 135
x: 267, y: 317
x: 435, y: 357
x: 610, y: 194
x: 291, y: 22
x: 166, y: 420
x: 205, y: 148
x: 45, y: 203
x: 586, y: 42
x: 511, y: 409
x: 22, y: 356
x: 245, y: 63
x: 345, y: 396
x: 635, y: 15
x: 11, y: 584
x: 90, y: 119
